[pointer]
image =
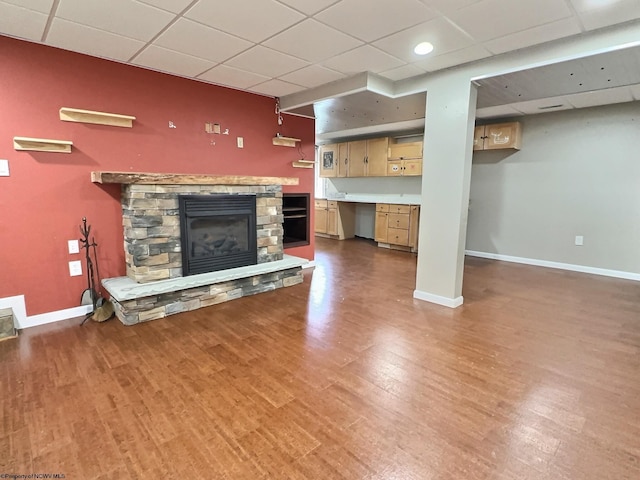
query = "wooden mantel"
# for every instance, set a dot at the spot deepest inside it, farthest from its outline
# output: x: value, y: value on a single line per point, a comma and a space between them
x: 187, y: 179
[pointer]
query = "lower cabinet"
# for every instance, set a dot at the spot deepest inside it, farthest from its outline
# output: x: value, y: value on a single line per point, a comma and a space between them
x: 334, y: 219
x: 397, y: 225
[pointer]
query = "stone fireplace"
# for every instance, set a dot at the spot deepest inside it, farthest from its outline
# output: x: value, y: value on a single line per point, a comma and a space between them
x: 234, y: 223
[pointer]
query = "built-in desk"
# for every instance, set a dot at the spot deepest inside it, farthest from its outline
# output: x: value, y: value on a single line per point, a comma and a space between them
x: 344, y: 216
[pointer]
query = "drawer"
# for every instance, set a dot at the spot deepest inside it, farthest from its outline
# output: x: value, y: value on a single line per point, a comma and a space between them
x: 397, y: 236
x: 382, y: 207
x: 399, y: 208
x: 399, y: 220
x: 332, y: 204
x: 320, y: 203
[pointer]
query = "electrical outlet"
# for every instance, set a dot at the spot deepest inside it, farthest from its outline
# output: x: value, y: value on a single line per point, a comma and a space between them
x: 74, y: 247
x: 75, y: 268
x: 240, y: 142
x: 579, y: 240
x: 4, y: 168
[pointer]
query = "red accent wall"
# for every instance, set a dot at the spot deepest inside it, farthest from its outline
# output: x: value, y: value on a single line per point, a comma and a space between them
x: 43, y: 201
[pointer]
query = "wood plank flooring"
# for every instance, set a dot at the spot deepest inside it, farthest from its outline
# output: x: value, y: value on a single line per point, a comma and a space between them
x: 345, y: 376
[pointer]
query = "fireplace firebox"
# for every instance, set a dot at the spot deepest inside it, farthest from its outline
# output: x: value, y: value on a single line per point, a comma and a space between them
x: 217, y: 232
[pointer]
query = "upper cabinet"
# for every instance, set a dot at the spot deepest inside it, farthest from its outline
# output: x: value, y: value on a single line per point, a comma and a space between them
x: 405, y: 151
x: 368, y: 158
x: 498, y: 136
x: 329, y: 160
x: 373, y: 157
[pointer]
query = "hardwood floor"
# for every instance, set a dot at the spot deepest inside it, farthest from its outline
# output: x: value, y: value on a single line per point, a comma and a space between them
x: 536, y: 376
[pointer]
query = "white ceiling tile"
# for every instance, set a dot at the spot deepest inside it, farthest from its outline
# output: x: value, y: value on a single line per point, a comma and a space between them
x: 400, y: 73
x: 363, y: 59
x: 158, y: 58
x: 22, y: 22
x: 373, y: 19
x: 312, y: 76
x: 264, y: 61
x: 447, y: 6
x: 601, y: 97
x: 312, y: 41
x: 42, y: 6
x: 533, y: 107
x: 598, y: 14
x: 635, y: 91
x: 175, y: 6
x: 309, y: 7
x: 123, y: 17
x: 232, y: 77
x: 442, y: 34
x: 465, y: 55
x: 83, y: 39
x: 496, y: 18
x: 276, y: 88
x: 248, y: 19
x: 533, y: 36
x: 186, y: 36
x: 495, y: 112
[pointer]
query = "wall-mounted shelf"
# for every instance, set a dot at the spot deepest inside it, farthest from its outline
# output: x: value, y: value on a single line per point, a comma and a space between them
x: 42, y: 144
x: 303, y: 164
x: 285, y: 141
x: 99, y: 118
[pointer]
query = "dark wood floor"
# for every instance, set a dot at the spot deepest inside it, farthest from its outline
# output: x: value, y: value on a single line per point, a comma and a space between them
x: 537, y: 376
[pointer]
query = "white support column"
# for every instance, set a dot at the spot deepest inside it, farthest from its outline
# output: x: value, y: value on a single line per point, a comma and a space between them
x: 446, y: 177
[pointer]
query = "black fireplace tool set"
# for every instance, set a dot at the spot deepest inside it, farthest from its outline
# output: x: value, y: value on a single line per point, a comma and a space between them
x: 102, y: 309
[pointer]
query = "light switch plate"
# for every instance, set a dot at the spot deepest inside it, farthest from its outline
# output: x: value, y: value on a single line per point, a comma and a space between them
x: 240, y: 142
x: 75, y: 268
x: 74, y: 247
x: 4, y: 168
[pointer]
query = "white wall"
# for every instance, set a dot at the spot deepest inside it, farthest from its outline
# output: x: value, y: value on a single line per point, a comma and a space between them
x: 578, y: 173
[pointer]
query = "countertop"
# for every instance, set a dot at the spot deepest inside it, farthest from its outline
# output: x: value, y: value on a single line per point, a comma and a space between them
x: 400, y: 199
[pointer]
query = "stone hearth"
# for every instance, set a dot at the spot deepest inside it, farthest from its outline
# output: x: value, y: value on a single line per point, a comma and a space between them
x: 154, y: 286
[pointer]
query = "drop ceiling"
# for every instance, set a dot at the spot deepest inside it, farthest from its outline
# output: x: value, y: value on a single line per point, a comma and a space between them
x: 280, y: 47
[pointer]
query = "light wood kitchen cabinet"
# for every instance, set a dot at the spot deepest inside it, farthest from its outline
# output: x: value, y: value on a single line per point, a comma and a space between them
x: 368, y: 158
x: 404, y: 168
x: 343, y: 160
x: 498, y: 136
x: 405, y: 159
x: 329, y: 160
x: 405, y: 151
x: 397, y: 225
x: 334, y: 219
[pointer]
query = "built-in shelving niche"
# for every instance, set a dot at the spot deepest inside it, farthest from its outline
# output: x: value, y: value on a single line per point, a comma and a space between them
x: 295, y: 209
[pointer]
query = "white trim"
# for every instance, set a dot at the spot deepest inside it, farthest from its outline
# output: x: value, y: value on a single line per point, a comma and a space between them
x: 309, y: 264
x: 560, y: 266
x: 57, y: 316
x: 17, y: 304
x: 437, y: 299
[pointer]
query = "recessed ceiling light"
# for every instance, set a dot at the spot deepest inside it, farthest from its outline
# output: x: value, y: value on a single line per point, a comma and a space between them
x: 423, y: 48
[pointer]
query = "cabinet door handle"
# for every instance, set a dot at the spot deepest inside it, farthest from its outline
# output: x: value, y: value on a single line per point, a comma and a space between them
x: 366, y: 159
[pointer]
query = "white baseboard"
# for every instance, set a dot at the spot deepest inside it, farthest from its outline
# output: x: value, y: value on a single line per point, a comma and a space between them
x: 557, y: 265
x: 23, y: 321
x: 437, y: 299
x: 50, y: 317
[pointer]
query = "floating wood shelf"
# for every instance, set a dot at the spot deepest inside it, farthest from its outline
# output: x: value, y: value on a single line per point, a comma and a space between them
x: 285, y: 141
x: 144, y: 178
x: 42, y: 144
x: 99, y: 118
x: 303, y: 164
